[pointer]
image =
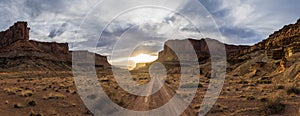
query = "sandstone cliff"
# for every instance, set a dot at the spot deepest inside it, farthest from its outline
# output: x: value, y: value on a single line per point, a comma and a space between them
x: 18, y: 53
x: 200, y: 48
x: 280, y: 44
x: 19, y: 31
x: 276, y: 56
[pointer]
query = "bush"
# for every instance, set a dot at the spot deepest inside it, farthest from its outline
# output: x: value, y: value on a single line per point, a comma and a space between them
x: 274, y: 107
x: 293, y: 90
x: 280, y: 87
x: 192, y: 85
x: 263, y: 81
x: 19, y: 105
x: 243, y: 82
x: 54, y: 96
x: 32, y: 113
x: 26, y: 93
x: 31, y: 103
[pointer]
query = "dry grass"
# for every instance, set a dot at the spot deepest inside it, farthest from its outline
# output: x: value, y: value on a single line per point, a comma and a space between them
x: 32, y: 113
x: 19, y: 105
x: 12, y: 91
x: 54, y: 96
x: 26, y: 93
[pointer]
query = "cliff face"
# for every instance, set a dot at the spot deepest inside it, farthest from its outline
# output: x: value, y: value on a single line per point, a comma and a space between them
x: 280, y: 44
x: 19, y: 31
x: 100, y: 61
x: 200, y: 48
x: 18, y: 53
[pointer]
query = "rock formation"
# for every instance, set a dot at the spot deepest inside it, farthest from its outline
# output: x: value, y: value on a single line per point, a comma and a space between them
x: 19, y: 31
x: 279, y: 53
x: 200, y: 48
x: 281, y: 44
x: 18, y: 53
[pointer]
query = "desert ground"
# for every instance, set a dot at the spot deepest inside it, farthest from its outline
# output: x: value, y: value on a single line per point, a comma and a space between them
x: 57, y: 95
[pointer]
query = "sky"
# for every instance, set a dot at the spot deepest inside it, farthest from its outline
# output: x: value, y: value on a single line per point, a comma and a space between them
x: 119, y: 28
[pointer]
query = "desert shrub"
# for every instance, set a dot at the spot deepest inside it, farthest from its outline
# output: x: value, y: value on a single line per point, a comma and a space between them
x: 275, y: 106
x: 31, y: 103
x: 71, y: 91
x: 293, y: 90
x: 54, y: 96
x: 19, y: 105
x: 264, y: 99
x: 196, y: 106
x: 264, y: 81
x: 12, y: 91
x: 280, y: 87
x: 192, y: 85
x: 32, y: 113
x: 242, y: 96
x: 243, y: 82
x: 250, y: 98
x: 26, y: 93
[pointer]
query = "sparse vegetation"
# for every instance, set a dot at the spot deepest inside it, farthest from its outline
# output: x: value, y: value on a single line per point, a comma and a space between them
x: 243, y: 82
x: 196, y: 106
x: 12, y: 91
x: 250, y: 98
x: 192, y: 85
x: 274, y: 106
x: 264, y: 99
x: 293, y: 90
x: 280, y: 87
x: 32, y: 113
x: 19, y: 105
x: 54, y: 96
x: 26, y: 93
x: 264, y: 81
x: 31, y: 103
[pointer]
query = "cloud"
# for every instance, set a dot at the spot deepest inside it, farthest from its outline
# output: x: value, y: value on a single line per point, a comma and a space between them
x: 59, y: 31
x: 262, y: 17
x: 239, y: 21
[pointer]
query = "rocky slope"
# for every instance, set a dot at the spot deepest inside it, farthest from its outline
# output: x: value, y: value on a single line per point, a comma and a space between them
x: 201, y: 49
x: 18, y: 53
x: 279, y: 45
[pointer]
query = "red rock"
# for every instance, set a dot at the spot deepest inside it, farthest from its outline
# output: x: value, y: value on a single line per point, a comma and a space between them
x: 16, y: 47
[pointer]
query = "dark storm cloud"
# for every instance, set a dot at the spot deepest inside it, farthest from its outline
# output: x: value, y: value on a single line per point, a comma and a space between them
x: 58, y: 31
x: 37, y: 7
x: 240, y: 32
x: 109, y: 37
x: 242, y: 35
x: 240, y: 21
x: 213, y: 7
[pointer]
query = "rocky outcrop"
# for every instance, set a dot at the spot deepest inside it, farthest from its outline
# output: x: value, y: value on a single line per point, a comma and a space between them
x: 19, y: 31
x: 83, y: 55
x: 281, y: 44
x: 18, y: 53
x: 200, y: 48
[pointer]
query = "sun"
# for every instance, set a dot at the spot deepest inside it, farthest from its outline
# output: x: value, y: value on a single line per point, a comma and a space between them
x: 143, y: 58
